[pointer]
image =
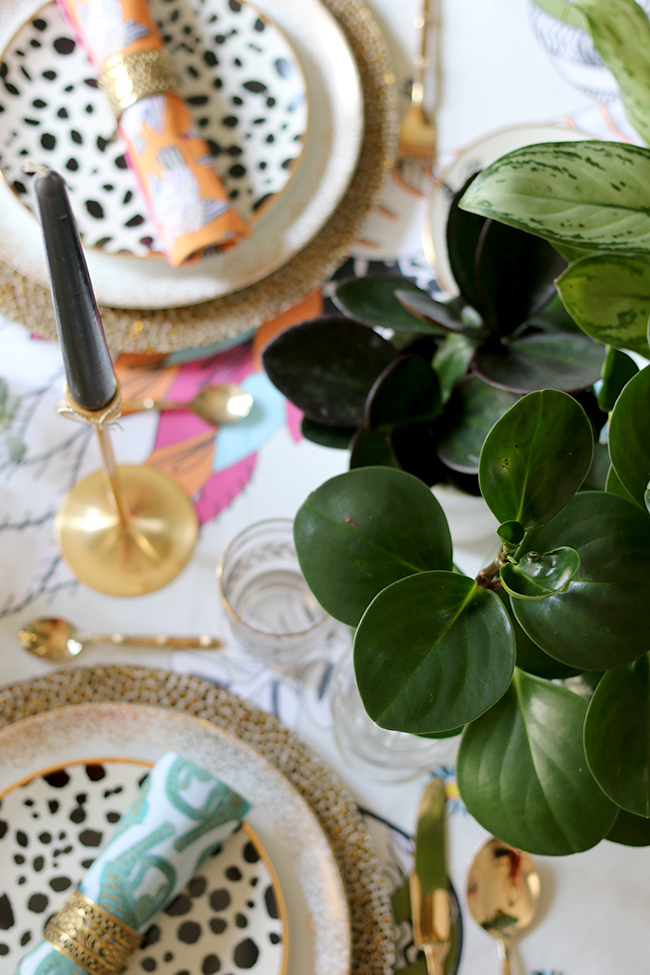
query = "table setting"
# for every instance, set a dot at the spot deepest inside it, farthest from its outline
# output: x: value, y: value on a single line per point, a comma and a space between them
x: 323, y: 487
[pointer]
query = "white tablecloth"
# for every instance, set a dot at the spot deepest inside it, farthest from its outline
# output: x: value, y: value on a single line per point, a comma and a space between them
x: 595, y: 906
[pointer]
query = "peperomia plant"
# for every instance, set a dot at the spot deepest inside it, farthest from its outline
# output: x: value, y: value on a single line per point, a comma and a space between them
x: 425, y: 400
x: 437, y: 652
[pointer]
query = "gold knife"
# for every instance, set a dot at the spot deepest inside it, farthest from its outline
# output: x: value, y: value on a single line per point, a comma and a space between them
x: 430, y: 906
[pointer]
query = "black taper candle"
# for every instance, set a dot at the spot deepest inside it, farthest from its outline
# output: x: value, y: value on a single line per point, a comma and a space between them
x: 88, y: 367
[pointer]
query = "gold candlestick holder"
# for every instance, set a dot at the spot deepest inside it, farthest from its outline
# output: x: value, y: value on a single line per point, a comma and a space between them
x: 125, y: 530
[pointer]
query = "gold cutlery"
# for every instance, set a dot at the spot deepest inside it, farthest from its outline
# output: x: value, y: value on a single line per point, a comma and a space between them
x: 430, y: 905
x: 417, y: 147
x: 218, y: 404
x: 503, y: 894
x: 57, y: 640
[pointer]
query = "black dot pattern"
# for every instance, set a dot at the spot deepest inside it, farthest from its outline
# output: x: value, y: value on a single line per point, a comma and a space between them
x: 52, y: 112
x: 225, y: 920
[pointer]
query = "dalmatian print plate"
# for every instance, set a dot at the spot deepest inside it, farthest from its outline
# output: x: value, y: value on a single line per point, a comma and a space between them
x: 230, y: 918
x: 237, y: 72
x: 250, y: 75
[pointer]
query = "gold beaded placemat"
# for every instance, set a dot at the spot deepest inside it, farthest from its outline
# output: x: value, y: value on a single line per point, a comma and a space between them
x: 373, y: 950
x: 142, y: 330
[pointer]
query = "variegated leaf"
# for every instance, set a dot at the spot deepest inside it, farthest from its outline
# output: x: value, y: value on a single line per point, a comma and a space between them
x: 620, y: 31
x: 608, y: 295
x: 591, y: 195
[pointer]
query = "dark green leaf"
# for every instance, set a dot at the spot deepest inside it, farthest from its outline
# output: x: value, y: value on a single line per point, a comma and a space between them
x: 535, y: 458
x: 596, y: 479
x: 326, y: 367
x: 540, y: 576
x: 630, y: 830
x: 617, y: 736
x: 361, y: 531
x: 618, y: 369
x: 472, y: 411
x: 621, y: 35
x: 372, y: 300
x: 439, y: 313
x: 407, y: 391
x: 414, y: 446
x: 511, y: 533
x: 337, y: 437
x: 614, y: 486
x: 463, y: 232
x: 603, y: 619
x: 515, y: 275
x: 371, y: 450
x: 450, y: 362
x: 431, y: 652
x: 629, y: 436
x: 609, y: 297
x: 554, y: 317
x: 591, y: 195
x: 566, y: 362
x: 523, y: 775
x: 530, y: 657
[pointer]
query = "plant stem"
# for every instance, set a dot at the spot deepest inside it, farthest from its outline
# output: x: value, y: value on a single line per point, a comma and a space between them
x: 488, y: 578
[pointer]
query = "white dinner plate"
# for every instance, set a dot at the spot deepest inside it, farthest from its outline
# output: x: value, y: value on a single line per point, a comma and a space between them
x: 317, y: 940
x: 469, y: 161
x: 326, y: 166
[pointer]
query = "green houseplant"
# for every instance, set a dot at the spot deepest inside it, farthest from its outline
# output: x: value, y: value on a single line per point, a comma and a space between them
x: 568, y: 592
x: 425, y: 400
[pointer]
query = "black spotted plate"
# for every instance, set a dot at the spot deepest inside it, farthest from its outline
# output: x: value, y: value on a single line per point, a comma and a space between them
x: 230, y: 918
x: 238, y: 73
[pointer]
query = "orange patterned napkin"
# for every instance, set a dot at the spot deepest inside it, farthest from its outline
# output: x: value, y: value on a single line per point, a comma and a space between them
x: 184, y: 195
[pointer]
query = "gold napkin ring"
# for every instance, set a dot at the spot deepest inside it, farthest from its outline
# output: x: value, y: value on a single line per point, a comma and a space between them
x: 87, y: 934
x: 126, y: 78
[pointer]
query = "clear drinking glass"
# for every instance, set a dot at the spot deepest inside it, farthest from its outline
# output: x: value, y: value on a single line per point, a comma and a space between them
x: 388, y: 756
x: 267, y: 603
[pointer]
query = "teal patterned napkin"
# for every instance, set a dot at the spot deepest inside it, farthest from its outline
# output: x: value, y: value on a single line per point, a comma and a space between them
x: 178, y: 819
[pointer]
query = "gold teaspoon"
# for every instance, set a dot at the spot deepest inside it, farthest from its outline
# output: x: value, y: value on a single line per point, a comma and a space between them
x: 503, y: 894
x: 223, y: 403
x: 58, y: 641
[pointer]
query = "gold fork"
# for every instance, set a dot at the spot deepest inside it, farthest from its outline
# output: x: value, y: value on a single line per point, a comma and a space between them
x: 417, y: 147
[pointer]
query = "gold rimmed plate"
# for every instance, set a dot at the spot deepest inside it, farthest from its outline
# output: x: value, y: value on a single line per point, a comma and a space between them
x: 249, y: 98
x: 271, y: 901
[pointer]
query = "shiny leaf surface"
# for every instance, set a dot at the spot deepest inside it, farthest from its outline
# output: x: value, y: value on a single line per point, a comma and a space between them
x: 431, y: 652
x: 603, y: 618
x: 630, y: 830
x: 450, y: 362
x: 327, y: 367
x: 515, y: 275
x: 617, y: 736
x: 629, y: 436
x: 591, y: 195
x: 407, y: 391
x: 545, y: 361
x: 471, y: 412
x: 372, y: 300
x: 463, y: 233
x: 523, y: 775
x: 540, y: 576
x: 363, y: 530
x: 535, y: 458
x: 609, y: 297
x: 326, y: 436
x: 371, y: 450
x: 443, y: 314
x: 618, y: 369
x: 530, y: 657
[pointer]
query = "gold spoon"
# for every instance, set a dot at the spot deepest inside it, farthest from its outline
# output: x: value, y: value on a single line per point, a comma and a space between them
x: 503, y: 894
x: 219, y: 404
x: 58, y: 641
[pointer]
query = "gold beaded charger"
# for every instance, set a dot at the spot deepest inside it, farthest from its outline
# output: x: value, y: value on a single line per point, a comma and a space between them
x: 237, y: 314
x: 367, y: 891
